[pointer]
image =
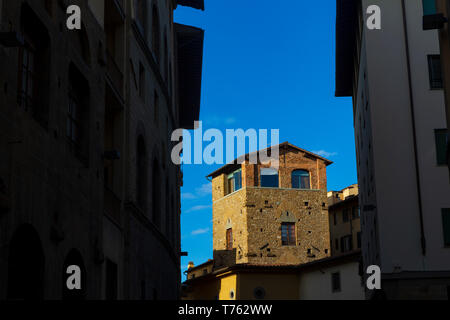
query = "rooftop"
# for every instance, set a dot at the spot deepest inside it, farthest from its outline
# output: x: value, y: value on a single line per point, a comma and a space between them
x: 285, y: 145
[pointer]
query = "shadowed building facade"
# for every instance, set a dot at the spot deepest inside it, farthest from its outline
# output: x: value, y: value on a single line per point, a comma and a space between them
x: 86, y: 117
x: 394, y: 78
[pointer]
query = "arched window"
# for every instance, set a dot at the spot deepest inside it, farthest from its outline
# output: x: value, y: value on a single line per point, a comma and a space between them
x: 156, y: 194
x: 141, y: 173
x: 25, y: 265
x: 269, y: 178
x: 74, y: 258
x: 300, y: 179
x: 155, y: 33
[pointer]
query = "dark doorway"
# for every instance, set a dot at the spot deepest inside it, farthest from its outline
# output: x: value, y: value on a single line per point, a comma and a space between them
x: 25, y: 265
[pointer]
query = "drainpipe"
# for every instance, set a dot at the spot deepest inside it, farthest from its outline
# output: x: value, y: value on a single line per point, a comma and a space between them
x: 413, y: 121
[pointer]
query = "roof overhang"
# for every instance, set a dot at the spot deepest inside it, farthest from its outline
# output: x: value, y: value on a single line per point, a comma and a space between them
x: 346, y: 21
x: 235, y: 164
x: 190, y: 64
x: 196, y: 4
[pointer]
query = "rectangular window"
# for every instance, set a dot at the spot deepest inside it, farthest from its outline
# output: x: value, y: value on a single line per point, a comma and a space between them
x: 229, y: 239
x: 73, y: 123
x: 347, y: 243
x: 435, y: 71
x: 334, y: 218
x: 355, y: 213
x: 288, y: 234
x: 27, y: 75
x: 345, y: 215
x: 269, y: 178
x: 446, y: 226
x: 336, y: 244
x: 336, y: 282
x: 234, y: 181
x: 440, y: 136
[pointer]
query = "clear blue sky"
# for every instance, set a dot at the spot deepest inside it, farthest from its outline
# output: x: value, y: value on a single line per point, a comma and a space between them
x: 269, y: 65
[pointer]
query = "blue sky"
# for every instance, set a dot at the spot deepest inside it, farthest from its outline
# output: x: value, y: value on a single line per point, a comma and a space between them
x: 267, y: 65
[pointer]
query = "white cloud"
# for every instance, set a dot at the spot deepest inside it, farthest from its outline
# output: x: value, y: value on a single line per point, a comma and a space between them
x: 199, y: 231
x: 204, y: 189
x: 200, y: 192
x: 198, y: 208
x: 187, y: 196
x: 325, y: 154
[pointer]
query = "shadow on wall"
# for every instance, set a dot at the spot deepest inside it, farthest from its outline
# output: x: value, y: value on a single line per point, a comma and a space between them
x: 224, y: 258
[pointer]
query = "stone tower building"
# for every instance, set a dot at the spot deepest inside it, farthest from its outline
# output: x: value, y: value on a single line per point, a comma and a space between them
x: 263, y: 216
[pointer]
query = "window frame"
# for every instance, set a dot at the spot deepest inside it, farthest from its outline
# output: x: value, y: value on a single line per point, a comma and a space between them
x: 288, y: 234
x: 433, y: 79
x: 229, y: 239
x: 264, y: 175
x: 231, y: 184
x: 441, y: 155
x: 300, y: 181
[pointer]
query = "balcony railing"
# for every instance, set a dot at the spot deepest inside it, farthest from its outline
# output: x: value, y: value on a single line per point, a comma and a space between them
x: 112, y: 205
x: 114, y: 73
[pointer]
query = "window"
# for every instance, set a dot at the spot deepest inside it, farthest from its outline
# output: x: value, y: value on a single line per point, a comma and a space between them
x: 446, y: 226
x: 336, y: 282
x: 259, y: 293
x: 334, y: 218
x: 77, y: 126
x: 354, y: 213
x: 434, y: 69
x: 440, y: 136
x: 347, y: 243
x: 141, y: 173
x: 234, y: 181
x: 230, y: 239
x: 155, y: 33
x: 345, y: 216
x: 300, y: 179
x: 269, y: 178
x: 336, y: 244
x: 34, y: 64
x: 288, y: 234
